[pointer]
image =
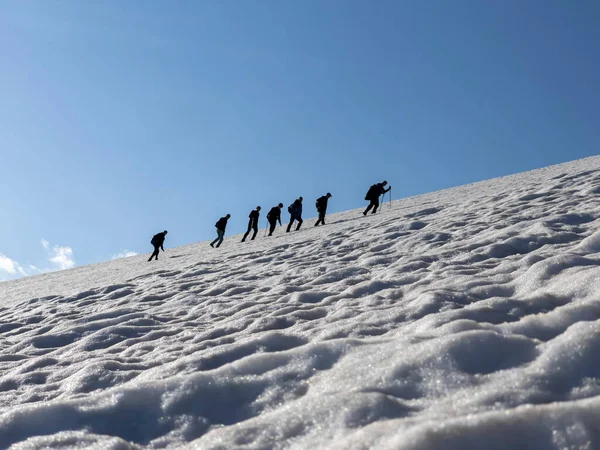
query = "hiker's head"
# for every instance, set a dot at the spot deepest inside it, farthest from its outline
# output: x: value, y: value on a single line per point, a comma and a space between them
x: 258, y: 208
x: 328, y: 195
x: 384, y: 182
x: 280, y: 205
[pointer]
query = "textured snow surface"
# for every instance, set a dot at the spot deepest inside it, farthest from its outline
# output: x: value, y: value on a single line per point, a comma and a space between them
x: 462, y: 319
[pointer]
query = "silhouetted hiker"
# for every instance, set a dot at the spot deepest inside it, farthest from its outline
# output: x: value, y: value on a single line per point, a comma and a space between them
x: 157, y: 241
x: 252, y: 223
x: 373, y: 196
x: 221, y: 225
x: 322, y: 208
x: 295, y: 210
x: 273, y: 217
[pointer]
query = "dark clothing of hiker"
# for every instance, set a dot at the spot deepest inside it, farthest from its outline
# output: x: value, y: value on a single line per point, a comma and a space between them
x: 252, y: 224
x: 219, y: 239
x: 157, y: 241
x: 295, y: 210
x: 322, y: 208
x: 373, y: 196
x: 321, y: 219
x: 273, y: 217
x: 221, y: 225
x: 374, y: 204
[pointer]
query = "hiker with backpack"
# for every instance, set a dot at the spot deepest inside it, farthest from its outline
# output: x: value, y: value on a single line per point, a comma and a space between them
x: 373, y: 196
x: 252, y: 223
x: 322, y: 208
x: 295, y: 210
x: 221, y: 225
x: 157, y: 241
x: 273, y: 217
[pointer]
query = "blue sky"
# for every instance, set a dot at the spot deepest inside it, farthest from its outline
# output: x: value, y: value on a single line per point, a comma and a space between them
x: 121, y: 119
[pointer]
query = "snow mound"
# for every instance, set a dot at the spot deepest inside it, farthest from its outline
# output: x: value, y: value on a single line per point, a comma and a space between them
x: 468, y: 317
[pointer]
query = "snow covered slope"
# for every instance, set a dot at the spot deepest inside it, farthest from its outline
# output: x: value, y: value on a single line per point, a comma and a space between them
x: 462, y: 319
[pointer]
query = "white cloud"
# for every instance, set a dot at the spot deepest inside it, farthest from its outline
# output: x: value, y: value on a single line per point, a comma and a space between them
x: 62, y: 257
x: 7, y: 264
x: 10, y: 266
x: 123, y: 254
x: 35, y: 270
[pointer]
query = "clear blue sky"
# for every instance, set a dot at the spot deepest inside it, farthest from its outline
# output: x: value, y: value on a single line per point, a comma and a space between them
x: 119, y: 119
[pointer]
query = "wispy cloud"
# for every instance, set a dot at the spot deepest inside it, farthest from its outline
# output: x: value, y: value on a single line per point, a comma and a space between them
x: 61, y: 257
x: 34, y: 269
x: 10, y: 266
x: 7, y: 264
x: 123, y: 254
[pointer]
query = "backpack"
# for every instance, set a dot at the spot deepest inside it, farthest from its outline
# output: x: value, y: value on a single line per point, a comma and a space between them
x: 290, y: 209
x: 371, y: 192
x: 320, y: 203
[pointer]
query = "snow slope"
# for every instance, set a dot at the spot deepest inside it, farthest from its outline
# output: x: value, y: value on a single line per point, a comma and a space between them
x: 462, y: 319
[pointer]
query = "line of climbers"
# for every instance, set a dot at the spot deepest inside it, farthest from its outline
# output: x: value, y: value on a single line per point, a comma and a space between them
x: 274, y: 216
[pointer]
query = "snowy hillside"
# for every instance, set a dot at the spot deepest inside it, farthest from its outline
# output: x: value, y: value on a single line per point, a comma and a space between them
x: 462, y: 319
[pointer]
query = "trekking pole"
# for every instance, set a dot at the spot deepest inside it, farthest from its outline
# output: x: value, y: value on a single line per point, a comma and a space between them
x: 265, y: 235
x: 390, y: 197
